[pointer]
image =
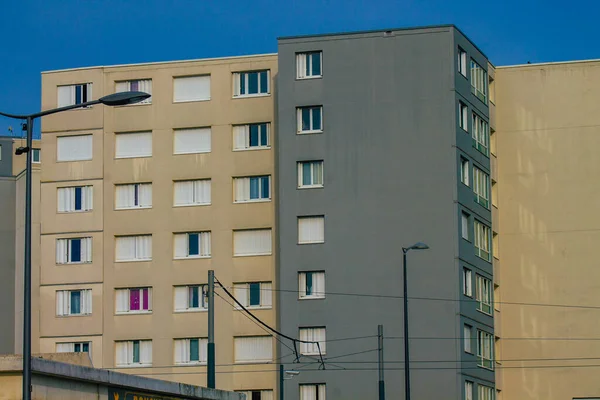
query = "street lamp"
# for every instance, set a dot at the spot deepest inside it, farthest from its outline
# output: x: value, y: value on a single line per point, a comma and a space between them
x: 115, y: 99
x: 416, y: 246
x: 282, y: 377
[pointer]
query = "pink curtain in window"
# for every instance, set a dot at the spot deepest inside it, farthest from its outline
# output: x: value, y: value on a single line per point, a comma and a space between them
x: 145, y: 299
x: 134, y: 299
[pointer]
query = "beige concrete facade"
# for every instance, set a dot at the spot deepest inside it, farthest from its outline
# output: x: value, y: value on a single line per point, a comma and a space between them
x: 548, y: 137
x: 103, y: 275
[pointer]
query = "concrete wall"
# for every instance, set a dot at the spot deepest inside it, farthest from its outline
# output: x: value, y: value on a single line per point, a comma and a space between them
x: 390, y: 180
x: 548, y: 136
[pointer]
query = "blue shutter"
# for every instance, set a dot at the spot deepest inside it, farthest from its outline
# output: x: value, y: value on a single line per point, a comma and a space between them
x: 309, y: 283
x: 306, y: 173
x: 316, y: 112
x: 254, y: 135
x: 136, y: 195
x: 78, y: 94
x: 136, y: 351
x: 77, y: 198
x: 75, y: 302
x: 77, y: 347
x: 243, y: 83
x: 75, y: 255
x: 193, y: 244
x: 316, y: 64
x: 306, y: 119
x: 254, y: 188
x: 255, y: 294
x: 194, y: 350
x: 265, y: 187
x: 264, y: 82
x: 252, y: 83
x: 264, y: 140
x: 193, y: 300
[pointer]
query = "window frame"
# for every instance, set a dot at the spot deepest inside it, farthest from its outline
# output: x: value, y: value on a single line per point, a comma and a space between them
x: 464, y: 171
x: 260, y: 189
x: 189, y: 351
x: 463, y: 116
x: 194, y: 192
x: 465, y: 229
x: 175, y: 78
x: 249, y: 125
x: 202, y: 298
x: 485, y: 304
x: 306, y: 218
x: 486, y: 360
x: 316, y: 386
x: 462, y: 62
x: 193, y: 256
x: 468, y: 339
x: 247, y: 288
x: 479, y: 81
x: 137, y: 196
x: 312, y: 296
x: 39, y: 153
x: 141, y: 310
x: 480, y: 134
x: 82, y: 210
x: 300, y: 171
x: 469, y: 385
x: 239, y: 75
x: 136, y: 244
x: 299, y: 130
x: 481, y: 187
x: 479, y: 235
x: 128, y: 83
x: 66, y: 137
x: 303, y: 351
x: 467, y: 282
x: 306, y: 54
x: 134, y: 364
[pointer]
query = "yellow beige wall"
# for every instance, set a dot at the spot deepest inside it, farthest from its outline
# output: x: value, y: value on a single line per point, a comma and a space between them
x: 103, y: 275
x: 548, y: 136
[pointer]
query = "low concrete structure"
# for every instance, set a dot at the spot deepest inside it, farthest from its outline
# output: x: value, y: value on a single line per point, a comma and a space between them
x: 61, y: 380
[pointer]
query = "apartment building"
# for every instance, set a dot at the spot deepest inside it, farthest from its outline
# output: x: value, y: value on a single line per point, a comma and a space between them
x: 139, y: 202
x: 547, y: 120
x: 384, y: 141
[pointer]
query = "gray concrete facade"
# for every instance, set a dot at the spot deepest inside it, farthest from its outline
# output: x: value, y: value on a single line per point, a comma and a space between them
x: 390, y: 147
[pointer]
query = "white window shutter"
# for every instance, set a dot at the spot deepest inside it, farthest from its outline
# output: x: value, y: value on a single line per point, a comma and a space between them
x: 125, y: 248
x: 301, y: 284
x: 124, y: 196
x: 182, y: 351
x: 129, y: 145
x: 122, y: 300
x: 60, y: 302
x: 254, y: 348
x: 266, y: 395
x: 236, y: 83
x: 205, y: 243
x: 319, y: 284
x: 122, y: 353
x: 65, y: 347
x: 146, y: 351
x: 311, y: 229
x: 143, y: 246
x: 181, y: 298
x: 191, y: 88
x: 65, y: 95
x: 202, y: 350
x: 196, y: 140
x: 180, y: 241
x: 66, y: 199
x: 252, y: 242
x: 74, y: 148
x: 266, y: 294
x: 241, y: 137
x: 240, y: 291
x: 86, y: 301
x: 61, y: 251
x: 184, y: 193
x: 301, y: 65
x: 202, y: 191
x: 87, y: 198
x: 322, y: 392
x: 308, y: 392
x: 145, y: 85
x: 145, y: 195
x: 122, y: 87
x: 241, y: 188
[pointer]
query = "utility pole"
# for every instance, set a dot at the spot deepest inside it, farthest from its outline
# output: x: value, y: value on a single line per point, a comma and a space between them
x: 211, y: 331
x: 281, y: 381
x: 380, y: 361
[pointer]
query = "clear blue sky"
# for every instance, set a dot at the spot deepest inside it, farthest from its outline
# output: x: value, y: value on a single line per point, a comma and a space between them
x: 41, y: 35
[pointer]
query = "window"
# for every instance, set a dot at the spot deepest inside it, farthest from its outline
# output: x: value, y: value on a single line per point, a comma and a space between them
x: 482, y: 240
x: 251, y: 349
x: 485, y: 392
x: 192, y: 245
x: 133, y: 353
x: 255, y: 188
x: 468, y: 337
x: 192, y: 140
x: 252, y: 242
x: 464, y: 171
x: 36, y: 156
x: 468, y: 390
x: 191, y: 298
x: 310, y: 174
x: 464, y: 223
x: 73, y: 347
x: 133, y: 145
x: 74, y: 148
x: 467, y: 282
x: 481, y: 134
x: 134, y: 248
x: 481, y: 187
x: 74, y: 199
x: 74, y: 251
x: 483, y: 294
x: 312, y: 392
x: 479, y: 81
x: 316, y: 335
x: 311, y: 285
x: 191, y: 193
x: 138, y: 85
x: 485, y: 350
x: 310, y: 119
x: 253, y: 294
x: 254, y: 83
x: 258, y: 394
x: 74, y: 94
x: 133, y: 195
x: 251, y: 136
x: 191, y: 351
x: 308, y: 65
x: 191, y: 88
x: 311, y: 229
x: 463, y: 116
x: 462, y: 62
x: 73, y: 302
x: 133, y: 300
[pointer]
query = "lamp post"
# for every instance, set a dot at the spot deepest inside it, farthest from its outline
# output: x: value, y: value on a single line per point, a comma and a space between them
x: 282, y: 378
x: 416, y: 246
x: 115, y: 99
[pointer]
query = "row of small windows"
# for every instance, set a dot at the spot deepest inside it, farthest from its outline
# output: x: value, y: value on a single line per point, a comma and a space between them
x: 484, y: 392
x: 480, y: 235
x: 479, y: 80
x: 198, y: 87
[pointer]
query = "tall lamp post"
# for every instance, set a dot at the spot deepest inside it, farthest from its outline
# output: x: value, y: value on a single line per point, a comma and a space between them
x: 115, y: 99
x: 416, y: 246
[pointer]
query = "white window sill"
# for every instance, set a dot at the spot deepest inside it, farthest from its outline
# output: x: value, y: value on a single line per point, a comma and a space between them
x: 74, y: 315
x: 190, y: 101
x: 488, y: 368
x: 192, y: 205
x: 254, y: 361
x: 192, y: 152
x: 298, y: 78
x: 254, y: 148
x: 301, y: 243
x: 191, y: 257
x: 253, y: 255
x: 136, y: 156
x: 190, y: 364
x: 136, y: 104
x: 253, y: 308
x: 310, y: 132
x: 133, y: 312
x: 75, y: 263
x: 252, y: 201
x: 133, y: 208
x: 191, y: 310
x: 73, y: 212
x: 248, y: 96
x: 311, y: 187
x: 133, y: 366
x: 78, y: 160
x: 134, y: 260
x: 311, y: 298
x: 485, y: 313
x: 36, y: 162
x: 312, y: 354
